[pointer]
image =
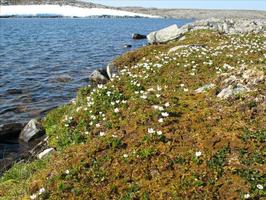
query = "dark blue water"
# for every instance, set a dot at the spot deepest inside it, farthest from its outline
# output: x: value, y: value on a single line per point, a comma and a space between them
x: 44, y: 61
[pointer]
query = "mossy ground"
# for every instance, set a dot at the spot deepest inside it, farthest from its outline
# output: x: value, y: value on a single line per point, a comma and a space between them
x: 148, y: 135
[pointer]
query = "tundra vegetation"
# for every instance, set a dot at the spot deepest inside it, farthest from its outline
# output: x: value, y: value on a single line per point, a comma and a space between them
x: 147, y: 134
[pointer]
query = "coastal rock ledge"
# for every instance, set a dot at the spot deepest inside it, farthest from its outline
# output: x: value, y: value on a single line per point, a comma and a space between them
x: 223, y: 26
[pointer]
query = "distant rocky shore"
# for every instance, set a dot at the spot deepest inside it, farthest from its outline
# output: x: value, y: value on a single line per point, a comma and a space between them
x: 199, y: 13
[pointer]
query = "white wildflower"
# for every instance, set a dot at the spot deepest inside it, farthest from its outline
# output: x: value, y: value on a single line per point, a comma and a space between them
x: 100, y: 86
x: 98, y: 125
x: 42, y: 190
x: 116, y: 110
x: 151, y: 130
x: 160, y: 108
x: 260, y: 187
x: 67, y: 171
x: 33, y: 196
x: 102, y: 134
x: 155, y: 107
x: 198, y: 153
x: 150, y: 90
x: 159, y: 132
x: 247, y: 196
x: 167, y: 104
x: 125, y: 155
x: 160, y: 120
x: 165, y: 114
x: 143, y: 97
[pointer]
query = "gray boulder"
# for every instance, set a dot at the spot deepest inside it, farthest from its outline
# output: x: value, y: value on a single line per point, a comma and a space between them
x: 32, y: 130
x: 165, y: 35
x: 99, y: 76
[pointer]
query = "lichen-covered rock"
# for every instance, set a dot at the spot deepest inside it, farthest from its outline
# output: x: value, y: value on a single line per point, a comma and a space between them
x: 32, y: 130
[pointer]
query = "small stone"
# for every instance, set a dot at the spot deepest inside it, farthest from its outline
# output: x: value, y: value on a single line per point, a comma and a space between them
x: 45, y: 153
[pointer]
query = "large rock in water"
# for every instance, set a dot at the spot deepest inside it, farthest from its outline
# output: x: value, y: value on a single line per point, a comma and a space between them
x: 32, y: 130
x: 137, y: 36
x: 165, y: 35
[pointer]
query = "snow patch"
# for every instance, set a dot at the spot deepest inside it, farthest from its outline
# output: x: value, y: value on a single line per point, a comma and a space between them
x: 65, y: 11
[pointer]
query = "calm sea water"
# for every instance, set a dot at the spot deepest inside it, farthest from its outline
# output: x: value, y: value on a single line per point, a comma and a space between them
x: 44, y: 61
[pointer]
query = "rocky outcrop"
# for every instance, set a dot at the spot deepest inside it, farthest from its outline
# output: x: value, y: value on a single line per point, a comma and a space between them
x: 223, y: 26
x: 32, y: 130
x: 240, y: 81
x: 229, y: 26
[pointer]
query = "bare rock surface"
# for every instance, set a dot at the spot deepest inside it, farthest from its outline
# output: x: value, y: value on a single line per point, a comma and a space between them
x: 223, y: 26
x: 240, y: 81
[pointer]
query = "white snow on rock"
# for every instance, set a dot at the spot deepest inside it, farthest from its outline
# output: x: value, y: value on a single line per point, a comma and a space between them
x: 65, y: 11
